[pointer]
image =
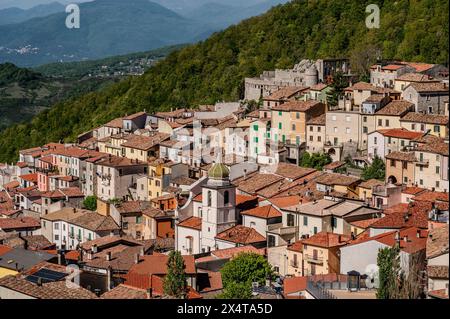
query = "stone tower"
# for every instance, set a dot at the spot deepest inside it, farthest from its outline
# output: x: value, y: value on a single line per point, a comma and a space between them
x: 218, y: 205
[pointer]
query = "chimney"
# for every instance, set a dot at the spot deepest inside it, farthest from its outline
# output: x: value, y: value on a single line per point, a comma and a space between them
x: 59, y: 257
x: 405, y: 238
x: 397, y: 236
x: 39, y: 282
x: 94, y: 249
x: 136, y: 258
x: 149, y: 293
x: 245, y: 174
x: 141, y: 251
x: 418, y: 233
x: 108, y: 256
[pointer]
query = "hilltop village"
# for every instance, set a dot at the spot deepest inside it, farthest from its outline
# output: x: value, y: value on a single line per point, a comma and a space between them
x: 315, y: 181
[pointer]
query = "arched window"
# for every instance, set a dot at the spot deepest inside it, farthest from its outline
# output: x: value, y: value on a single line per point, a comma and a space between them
x: 209, y: 198
x: 226, y: 197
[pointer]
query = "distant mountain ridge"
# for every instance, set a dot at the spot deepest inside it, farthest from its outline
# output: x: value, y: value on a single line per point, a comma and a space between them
x: 17, y: 15
x: 108, y: 28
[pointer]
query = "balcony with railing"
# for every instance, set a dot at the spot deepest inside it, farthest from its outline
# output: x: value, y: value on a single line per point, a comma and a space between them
x: 313, y: 259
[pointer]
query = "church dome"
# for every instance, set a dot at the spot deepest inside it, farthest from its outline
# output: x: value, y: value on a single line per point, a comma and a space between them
x: 219, y: 171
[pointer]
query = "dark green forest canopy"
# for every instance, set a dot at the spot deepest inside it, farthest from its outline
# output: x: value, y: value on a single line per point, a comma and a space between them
x: 212, y: 70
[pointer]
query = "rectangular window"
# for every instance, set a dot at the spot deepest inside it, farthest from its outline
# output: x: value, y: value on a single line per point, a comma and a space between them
x: 393, y: 163
x: 305, y: 221
x: 437, y: 128
x: 311, y: 129
x: 438, y: 169
x: 318, y: 129
x: 280, y: 126
x: 255, y: 127
x: 347, y: 118
x: 335, y: 130
x: 380, y: 122
x: 364, y: 119
x: 280, y: 113
x: 297, y: 115
x: 387, y: 123
x: 413, y: 127
x: 375, y: 140
x: 319, y: 138
x: 290, y: 220
x: 293, y: 127
x: 365, y: 129
x: 347, y: 130
x: 311, y: 138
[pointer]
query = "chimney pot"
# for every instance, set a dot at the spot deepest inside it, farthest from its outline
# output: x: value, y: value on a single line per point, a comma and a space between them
x: 108, y: 256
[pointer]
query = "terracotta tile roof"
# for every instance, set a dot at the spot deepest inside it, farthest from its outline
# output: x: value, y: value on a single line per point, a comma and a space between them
x: 297, y: 106
x: 256, y: 182
x: 398, y: 208
x: 392, y: 67
x: 117, y: 162
x: 245, y: 201
x: 116, y: 123
x: 432, y: 197
x: 209, y: 281
x: 265, y: 212
x: 291, y: 171
x: 297, y: 246
x: 134, y: 116
x: 21, y: 164
x: 326, y: 240
x: 95, y: 222
x: 107, y: 241
x: 37, y: 242
x: 370, y: 183
x: 417, y: 216
x: 125, y: 292
x: 364, y: 223
x: 318, y: 120
x: 364, y: 86
x: 241, y: 235
x: 402, y: 156
x: 284, y: 93
x: 439, y: 147
x: 295, y: 284
x: 425, y: 87
x: 132, y: 207
x: 285, y: 201
x: 30, y: 177
x: 413, y: 244
x: 419, y: 66
x: 396, y: 108
x: 231, y: 253
x: 145, y: 143
x: 11, y: 185
x: 192, y: 222
x: 437, y: 243
x: 8, y: 224
x: 400, y: 133
x: 336, y: 179
x: 410, y: 190
x: 334, y: 165
x: 51, y: 290
x: 425, y: 118
x: 140, y: 275
x: 414, y: 77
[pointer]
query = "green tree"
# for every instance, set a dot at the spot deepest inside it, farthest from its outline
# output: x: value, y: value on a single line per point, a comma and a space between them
x: 388, y: 262
x: 316, y: 160
x: 239, y: 273
x: 175, y: 284
x: 340, y: 82
x: 236, y: 290
x: 90, y: 202
x: 377, y: 170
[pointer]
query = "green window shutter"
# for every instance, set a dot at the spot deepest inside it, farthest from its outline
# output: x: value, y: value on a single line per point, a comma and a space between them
x: 255, y: 127
x: 280, y: 113
x: 279, y: 125
x: 284, y: 138
x: 256, y: 150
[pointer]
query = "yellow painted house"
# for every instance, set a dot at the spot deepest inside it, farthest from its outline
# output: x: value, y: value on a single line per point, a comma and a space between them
x: 289, y: 120
x: 143, y: 148
x: 434, y: 124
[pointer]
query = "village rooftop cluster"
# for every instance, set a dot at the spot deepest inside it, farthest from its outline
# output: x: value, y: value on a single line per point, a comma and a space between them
x: 223, y: 179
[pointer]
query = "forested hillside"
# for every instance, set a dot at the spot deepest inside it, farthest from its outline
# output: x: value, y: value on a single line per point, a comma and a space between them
x: 214, y: 69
